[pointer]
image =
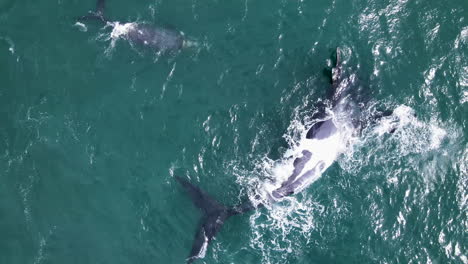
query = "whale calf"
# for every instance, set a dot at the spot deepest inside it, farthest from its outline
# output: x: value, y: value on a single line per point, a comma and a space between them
x: 318, y: 149
x: 157, y: 38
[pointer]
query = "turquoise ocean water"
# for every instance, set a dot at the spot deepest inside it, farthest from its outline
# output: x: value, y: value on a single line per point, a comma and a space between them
x: 91, y: 134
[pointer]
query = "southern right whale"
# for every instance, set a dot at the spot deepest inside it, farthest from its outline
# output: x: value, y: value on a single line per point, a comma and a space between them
x: 157, y: 38
x: 319, y: 147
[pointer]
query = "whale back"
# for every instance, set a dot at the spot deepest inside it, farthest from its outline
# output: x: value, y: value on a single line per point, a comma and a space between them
x: 155, y: 37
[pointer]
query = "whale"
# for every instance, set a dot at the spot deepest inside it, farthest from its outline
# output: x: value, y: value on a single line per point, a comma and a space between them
x: 157, y: 38
x: 332, y: 126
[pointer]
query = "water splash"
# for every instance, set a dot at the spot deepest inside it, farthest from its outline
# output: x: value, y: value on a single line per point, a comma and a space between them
x: 82, y: 27
x: 118, y: 31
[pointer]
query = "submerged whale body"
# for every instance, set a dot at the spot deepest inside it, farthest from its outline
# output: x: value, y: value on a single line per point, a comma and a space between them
x: 319, y: 148
x: 160, y: 39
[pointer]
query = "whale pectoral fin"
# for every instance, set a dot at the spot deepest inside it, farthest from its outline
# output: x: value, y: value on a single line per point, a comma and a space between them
x: 299, y: 164
x: 282, y: 192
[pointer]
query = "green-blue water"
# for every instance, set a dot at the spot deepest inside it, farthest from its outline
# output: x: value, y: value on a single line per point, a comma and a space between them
x: 91, y: 136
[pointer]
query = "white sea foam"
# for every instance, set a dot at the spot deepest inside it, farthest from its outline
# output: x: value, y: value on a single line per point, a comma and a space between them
x: 82, y: 27
x: 415, y: 136
x: 463, y: 83
x: 462, y: 194
x: 118, y: 31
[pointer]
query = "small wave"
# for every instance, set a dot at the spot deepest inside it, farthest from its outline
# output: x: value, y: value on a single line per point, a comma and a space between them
x: 82, y: 27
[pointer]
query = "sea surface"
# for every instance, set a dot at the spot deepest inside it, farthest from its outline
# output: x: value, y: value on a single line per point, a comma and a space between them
x: 93, y: 130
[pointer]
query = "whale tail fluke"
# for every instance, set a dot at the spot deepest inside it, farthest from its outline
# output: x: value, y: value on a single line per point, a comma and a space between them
x: 201, y: 199
x: 97, y: 14
x: 214, y: 215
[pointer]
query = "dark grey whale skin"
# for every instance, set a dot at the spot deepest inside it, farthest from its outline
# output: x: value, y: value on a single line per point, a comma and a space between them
x: 214, y: 216
x: 159, y: 39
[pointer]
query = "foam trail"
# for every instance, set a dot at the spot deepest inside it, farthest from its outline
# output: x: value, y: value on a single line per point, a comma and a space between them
x: 82, y: 27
